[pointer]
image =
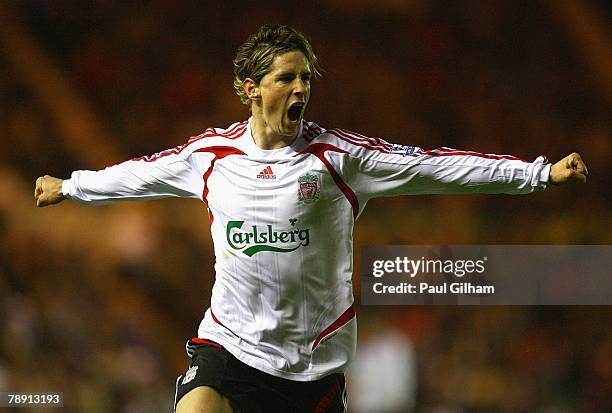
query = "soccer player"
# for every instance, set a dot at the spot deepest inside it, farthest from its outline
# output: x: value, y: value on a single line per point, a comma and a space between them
x: 283, y: 195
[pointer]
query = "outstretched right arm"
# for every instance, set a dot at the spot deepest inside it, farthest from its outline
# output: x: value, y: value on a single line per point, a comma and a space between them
x: 172, y: 173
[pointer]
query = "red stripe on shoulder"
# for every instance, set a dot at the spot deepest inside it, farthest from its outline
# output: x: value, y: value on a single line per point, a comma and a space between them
x: 152, y: 158
x: 234, y: 132
x: 346, y: 138
x: 220, y: 152
x: 370, y: 140
x: 201, y: 135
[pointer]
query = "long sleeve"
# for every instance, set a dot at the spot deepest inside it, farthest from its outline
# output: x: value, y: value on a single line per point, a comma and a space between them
x: 167, y: 174
x: 448, y: 171
x: 373, y: 167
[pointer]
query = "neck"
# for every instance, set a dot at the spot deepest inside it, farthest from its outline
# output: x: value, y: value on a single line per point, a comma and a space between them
x: 266, y: 138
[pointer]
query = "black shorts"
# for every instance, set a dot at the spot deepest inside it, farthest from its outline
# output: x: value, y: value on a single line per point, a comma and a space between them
x: 252, y: 391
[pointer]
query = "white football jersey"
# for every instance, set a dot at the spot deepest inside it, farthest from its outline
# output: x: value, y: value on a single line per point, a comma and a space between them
x: 282, y: 224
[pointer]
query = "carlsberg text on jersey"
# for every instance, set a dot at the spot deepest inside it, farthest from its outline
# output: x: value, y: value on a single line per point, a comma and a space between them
x: 267, y: 240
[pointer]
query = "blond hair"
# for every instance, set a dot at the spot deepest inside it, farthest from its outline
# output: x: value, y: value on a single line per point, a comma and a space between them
x: 254, y: 58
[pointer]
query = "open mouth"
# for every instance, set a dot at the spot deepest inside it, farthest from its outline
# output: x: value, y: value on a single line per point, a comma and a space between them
x: 295, y: 111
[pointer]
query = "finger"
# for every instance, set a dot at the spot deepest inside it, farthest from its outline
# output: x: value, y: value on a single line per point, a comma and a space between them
x: 37, y: 188
x: 582, y: 167
x: 42, y: 202
x: 576, y: 159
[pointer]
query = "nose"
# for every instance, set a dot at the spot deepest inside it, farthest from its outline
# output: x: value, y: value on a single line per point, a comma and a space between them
x: 299, y: 87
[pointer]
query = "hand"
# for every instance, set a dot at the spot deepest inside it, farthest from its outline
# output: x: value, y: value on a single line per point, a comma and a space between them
x: 569, y: 169
x: 48, y: 191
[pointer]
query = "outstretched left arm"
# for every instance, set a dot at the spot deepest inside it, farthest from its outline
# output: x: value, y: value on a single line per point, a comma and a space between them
x: 569, y: 169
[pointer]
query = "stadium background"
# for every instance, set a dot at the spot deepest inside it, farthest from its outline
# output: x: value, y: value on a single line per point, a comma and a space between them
x: 98, y: 302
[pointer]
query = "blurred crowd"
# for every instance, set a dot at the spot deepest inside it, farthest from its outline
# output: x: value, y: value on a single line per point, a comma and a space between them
x: 98, y: 302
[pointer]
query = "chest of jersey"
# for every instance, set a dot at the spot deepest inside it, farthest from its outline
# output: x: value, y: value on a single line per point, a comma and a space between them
x: 271, y: 192
x: 276, y: 206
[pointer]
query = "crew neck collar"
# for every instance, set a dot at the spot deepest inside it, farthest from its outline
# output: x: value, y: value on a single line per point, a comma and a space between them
x: 297, y: 145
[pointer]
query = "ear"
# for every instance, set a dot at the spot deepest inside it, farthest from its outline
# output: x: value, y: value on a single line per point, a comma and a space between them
x: 251, y: 89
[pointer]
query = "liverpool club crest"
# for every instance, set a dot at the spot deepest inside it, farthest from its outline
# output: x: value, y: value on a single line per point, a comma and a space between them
x: 308, y: 188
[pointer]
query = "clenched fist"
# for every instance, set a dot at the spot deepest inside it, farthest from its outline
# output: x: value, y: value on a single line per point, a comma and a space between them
x: 569, y: 169
x: 48, y: 191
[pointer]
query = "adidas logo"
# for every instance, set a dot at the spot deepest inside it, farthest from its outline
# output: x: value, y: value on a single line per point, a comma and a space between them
x: 266, y: 173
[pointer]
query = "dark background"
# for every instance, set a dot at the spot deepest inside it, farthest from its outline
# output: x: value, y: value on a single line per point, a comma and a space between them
x: 98, y: 302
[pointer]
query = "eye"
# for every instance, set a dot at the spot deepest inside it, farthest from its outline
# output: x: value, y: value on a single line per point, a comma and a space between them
x: 306, y: 77
x: 285, y: 79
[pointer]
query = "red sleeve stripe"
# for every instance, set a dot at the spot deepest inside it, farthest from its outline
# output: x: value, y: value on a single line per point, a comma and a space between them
x: 447, y: 149
x: 338, y: 135
x: 453, y: 152
x: 374, y: 142
x: 363, y: 138
x: 232, y: 132
x: 152, y: 158
x: 341, y: 321
x: 235, y: 132
x: 366, y: 141
x: 201, y: 135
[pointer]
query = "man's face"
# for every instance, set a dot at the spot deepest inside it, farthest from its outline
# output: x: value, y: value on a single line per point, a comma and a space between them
x: 284, y: 92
